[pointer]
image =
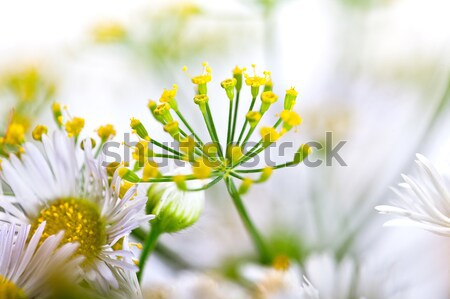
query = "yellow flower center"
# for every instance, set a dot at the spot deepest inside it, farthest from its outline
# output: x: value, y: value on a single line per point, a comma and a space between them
x: 81, y: 221
x: 9, y: 290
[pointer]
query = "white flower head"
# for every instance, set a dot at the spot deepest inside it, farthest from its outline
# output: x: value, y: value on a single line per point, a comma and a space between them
x: 27, y: 262
x: 424, y: 201
x: 55, y: 186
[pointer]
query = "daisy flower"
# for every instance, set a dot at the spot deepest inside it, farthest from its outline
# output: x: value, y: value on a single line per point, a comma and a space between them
x: 424, y: 200
x: 67, y: 188
x: 26, y: 267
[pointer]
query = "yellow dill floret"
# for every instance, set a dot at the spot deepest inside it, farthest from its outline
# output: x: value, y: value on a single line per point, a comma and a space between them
x: 74, y: 126
x: 269, y: 97
x: 228, y: 83
x: 255, y: 81
x: 205, y: 77
x: 106, y: 132
x: 269, y: 135
x: 1, y: 164
x: 173, y: 129
x: 108, y: 32
x: 15, y: 134
x: 81, y: 222
x: 38, y: 131
x: 139, y: 128
x: 168, y: 94
x: 10, y: 290
x: 290, y: 98
x: 201, y: 169
x: 253, y: 118
x: 162, y: 109
x: 201, y: 99
x: 290, y: 119
x: 150, y: 170
x: 238, y: 71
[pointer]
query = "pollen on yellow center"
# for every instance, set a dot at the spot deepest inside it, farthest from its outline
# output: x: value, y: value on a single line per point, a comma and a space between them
x: 10, y: 290
x: 81, y: 222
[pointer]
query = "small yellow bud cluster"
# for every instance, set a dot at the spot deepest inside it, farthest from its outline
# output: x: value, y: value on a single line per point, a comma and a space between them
x: 139, y: 129
x: 267, y: 99
x: 202, y: 79
x: 168, y: 96
x: 106, y: 132
x: 269, y: 135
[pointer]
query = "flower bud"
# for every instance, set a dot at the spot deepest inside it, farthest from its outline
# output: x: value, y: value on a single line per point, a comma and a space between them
x: 163, y: 111
x: 168, y: 96
x: 237, y: 74
x: 290, y: 99
x: 201, y: 100
x: 128, y: 175
x: 139, y: 128
x: 253, y: 118
x: 269, y: 135
x: 173, y: 129
x: 290, y: 119
x: 267, y: 99
x: 174, y: 209
x: 229, y: 85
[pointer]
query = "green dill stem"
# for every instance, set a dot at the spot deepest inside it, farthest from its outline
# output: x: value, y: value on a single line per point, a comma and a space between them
x: 186, y: 123
x: 287, y: 164
x: 248, y: 135
x: 244, y: 126
x: 216, y: 138
x: 263, y: 252
x: 149, y: 246
x: 233, y: 174
x: 207, y: 186
x: 230, y: 120
x: 236, y: 108
x: 164, y: 147
x: 198, y: 148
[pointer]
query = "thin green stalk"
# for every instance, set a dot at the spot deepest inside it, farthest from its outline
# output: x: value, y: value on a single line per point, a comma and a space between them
x: 207, y: 186
x: 149, y: 246
x: 287, y: 164
x: 185, y: 122
x: 164, y: 147
x: 213, y: 126
x: 263, y: 252
x: 252, y: 104
x: 230, y: 120
x: 249, y: 134
x: 236, y: 108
